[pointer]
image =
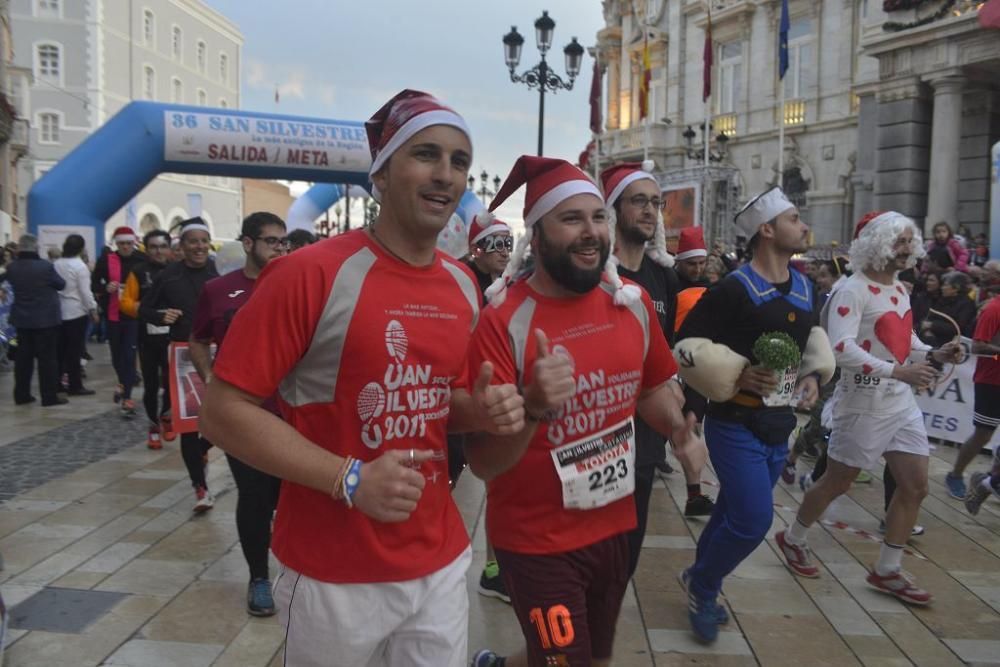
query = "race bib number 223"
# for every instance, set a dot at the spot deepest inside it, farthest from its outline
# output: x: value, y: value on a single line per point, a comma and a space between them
x: 599, y: 469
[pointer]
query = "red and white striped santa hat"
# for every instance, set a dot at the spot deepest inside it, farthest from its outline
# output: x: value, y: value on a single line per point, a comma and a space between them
x: 124, y: 234
x: 485, y: 224
x: 614, y: 180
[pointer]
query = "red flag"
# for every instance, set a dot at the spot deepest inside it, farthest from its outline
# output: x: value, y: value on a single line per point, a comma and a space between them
x: 647, y: 75
x: 709, y: 58
x: 584, y: 160
x: 595, y: 99
x: 989, y: 15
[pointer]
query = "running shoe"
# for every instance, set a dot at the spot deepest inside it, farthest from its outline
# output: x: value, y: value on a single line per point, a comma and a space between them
x: 977, y: 495
x: 700, y: 505
x: 167, y: 428
x: 205, y: 500
x: 128, y: 408
x: 491, y: 583
x: 917, y: 530
x: 721, y: 615
x: 797, y: 557
x: 703, y: 615
x: 486, y: 658
x: 956, y: 486
x: 119, y: 391
x: 153, y: 440
x: 864, y: 477
x: 788, y: 473
x: 899, y: 584
x: 805, y: 481
x: 259, y: 600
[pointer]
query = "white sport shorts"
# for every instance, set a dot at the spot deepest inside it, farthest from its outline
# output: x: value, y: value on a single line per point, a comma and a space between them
x: 860, y: 440
x: 422, y: 622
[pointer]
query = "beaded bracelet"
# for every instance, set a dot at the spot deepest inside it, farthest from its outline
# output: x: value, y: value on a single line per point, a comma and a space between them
x: 351, y: 481
x: 338, y: 484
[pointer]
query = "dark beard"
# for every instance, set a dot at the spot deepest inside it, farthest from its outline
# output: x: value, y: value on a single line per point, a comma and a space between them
x: 559, y: 265
x: 633, y: 235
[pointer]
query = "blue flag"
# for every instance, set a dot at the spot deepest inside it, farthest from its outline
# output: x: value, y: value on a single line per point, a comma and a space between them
x: 783, y: 40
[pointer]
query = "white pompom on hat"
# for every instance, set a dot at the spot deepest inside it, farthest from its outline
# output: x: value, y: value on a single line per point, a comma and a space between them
x: 407, y: 113
x: 549, y: 182
x: 614, y: 180
x: 760, y: 210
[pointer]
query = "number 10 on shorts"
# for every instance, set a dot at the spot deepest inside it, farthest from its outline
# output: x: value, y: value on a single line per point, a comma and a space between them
x: 554, y: 626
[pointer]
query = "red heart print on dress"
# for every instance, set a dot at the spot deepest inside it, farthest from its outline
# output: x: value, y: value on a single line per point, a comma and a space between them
x: 840, y: 346
x: 843, y: 310
x: 894, y: 300
x: 874, y: 290
x: 894, y: 332
x: 866, y: 345
x: 866, y: 369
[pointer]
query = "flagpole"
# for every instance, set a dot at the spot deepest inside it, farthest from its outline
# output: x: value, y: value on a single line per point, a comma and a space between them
x: 781, y: 133
x: 600, y: 106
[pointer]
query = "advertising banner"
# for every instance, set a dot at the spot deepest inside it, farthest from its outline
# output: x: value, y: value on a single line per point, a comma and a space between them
x: 187, y: 391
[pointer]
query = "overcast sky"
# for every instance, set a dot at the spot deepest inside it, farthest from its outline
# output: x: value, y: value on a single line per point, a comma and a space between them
x: 343, y: 59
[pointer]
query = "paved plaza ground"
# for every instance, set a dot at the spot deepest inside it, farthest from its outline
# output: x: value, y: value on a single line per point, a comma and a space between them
x: 104, y: 564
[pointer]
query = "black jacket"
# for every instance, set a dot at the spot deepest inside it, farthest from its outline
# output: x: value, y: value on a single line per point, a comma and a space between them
x: 177, y: 286
x: 99, y: 278
x: 36, y: 288
x: 961, y: 309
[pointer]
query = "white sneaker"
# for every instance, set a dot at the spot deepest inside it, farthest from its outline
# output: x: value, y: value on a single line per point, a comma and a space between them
x: 206, y: 500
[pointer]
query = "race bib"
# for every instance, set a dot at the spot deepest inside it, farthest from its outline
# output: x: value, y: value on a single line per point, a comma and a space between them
x: 599, y: 469
x: 782, y: 396
x: 153, y: 330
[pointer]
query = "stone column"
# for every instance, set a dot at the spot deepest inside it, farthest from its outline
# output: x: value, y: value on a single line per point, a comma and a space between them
x: 946, y: 135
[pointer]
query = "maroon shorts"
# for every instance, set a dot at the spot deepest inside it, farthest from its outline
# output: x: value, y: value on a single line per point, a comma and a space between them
x: 568, y: 603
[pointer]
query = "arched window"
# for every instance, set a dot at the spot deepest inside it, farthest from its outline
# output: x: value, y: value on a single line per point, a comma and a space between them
x: 223, y: 103
x: 176, y: 91
x: 148, y: 28
x: 202, y: 98
x: 148, y: 83
x: 177, y: 44
x: 223, y: 68
x: 202, y: 50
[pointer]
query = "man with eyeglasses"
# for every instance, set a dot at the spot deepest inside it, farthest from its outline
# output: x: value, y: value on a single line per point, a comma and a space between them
x: 263, y: 238
x: 154, y: 338
x: 107, y: 282
x: 490, y: 245
x: 171, y: 301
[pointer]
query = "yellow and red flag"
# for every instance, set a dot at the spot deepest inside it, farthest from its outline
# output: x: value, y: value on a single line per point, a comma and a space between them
x: 647, y: 76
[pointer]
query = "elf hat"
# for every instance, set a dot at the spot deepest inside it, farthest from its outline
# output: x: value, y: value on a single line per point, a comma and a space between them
x: 691, y: 243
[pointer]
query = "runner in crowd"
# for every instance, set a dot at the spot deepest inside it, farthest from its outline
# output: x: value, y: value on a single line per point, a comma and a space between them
x: 635, y: 207
x: 78, y: 306
x: 875, y: 414
x: 107, y: 282
x: 750, y: 414
x: 263, y: 239
x: 985, y: 341
x: 154, y: 338
x: 300, y: 238
x: 587, y: 352
x: 490, y: 244
x: 171, y: 301
x: 364, y: 339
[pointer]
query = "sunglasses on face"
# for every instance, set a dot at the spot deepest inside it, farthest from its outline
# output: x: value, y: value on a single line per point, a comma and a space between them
x: 496, y: 244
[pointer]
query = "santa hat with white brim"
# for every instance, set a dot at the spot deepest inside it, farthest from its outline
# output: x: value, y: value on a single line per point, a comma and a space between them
x: 614, y: 180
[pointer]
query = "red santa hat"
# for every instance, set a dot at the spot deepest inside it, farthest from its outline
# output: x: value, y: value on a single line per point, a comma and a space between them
x: 548, y: 182
x: 691, y: 243
x: 484, y: 224
x: 407, y: 113
x: 124, y: 234
x: 863, y: 222
x: 615, y: 180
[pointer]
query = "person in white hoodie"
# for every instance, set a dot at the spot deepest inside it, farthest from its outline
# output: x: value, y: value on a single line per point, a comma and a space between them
x: 76, y: 303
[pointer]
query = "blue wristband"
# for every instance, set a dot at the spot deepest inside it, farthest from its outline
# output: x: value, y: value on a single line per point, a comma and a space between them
x: 351, y: 481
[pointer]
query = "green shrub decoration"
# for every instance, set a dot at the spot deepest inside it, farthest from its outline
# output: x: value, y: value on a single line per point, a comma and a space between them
x: 776, y: 350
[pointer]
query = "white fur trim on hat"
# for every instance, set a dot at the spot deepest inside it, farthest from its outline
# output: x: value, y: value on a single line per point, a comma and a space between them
x: 195, y: 227
x: 558, y: 195
x: 627, y: 181
x: 410, y: 128
x: 761, y: 209
x: 496, y: 227
x: 696, y: 252
x: 121, y: 238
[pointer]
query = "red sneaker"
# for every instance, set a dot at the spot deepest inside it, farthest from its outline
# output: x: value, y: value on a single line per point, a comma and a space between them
x: 797, y: 557
x: 901, y: 585
x: 166, y: 428
x: 153, y: 441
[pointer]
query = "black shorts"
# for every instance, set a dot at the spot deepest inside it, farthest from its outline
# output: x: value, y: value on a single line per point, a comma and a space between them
x: 568, y: 603
x: 987, y: 406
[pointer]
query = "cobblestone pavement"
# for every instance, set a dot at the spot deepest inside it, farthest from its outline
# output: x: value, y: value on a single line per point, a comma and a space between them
x: 32, y: 461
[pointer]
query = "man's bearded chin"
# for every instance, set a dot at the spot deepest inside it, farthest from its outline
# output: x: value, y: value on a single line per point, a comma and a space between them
x: 559, y: 265
x: 633, y: 234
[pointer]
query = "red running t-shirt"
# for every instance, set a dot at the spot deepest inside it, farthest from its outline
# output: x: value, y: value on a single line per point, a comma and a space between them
x: 987, y: 326
x: 614, y: 358
x: 218, y: 302
x: 363, y: 351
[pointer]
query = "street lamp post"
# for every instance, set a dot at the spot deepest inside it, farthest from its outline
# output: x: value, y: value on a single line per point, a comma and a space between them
x: 484, y: 192
x: 541, y: 76
x: 695, y: 151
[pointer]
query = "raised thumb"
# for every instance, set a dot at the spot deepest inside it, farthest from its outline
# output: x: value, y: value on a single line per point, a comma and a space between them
x: 542, y: 343
x: 485, y: 375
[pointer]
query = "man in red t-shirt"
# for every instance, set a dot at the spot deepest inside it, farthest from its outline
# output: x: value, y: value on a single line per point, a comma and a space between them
x: 986, y: 415
x: 263, y: 238
x: 364, y: 337
x: 588, y: 353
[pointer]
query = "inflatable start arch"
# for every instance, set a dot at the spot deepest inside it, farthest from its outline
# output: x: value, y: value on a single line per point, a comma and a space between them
x: 84, y: 189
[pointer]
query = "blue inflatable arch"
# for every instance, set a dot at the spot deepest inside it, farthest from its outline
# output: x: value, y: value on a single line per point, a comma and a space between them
x: 84, y: 189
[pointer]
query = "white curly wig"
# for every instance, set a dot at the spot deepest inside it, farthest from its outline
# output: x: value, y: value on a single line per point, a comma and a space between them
x: 873, y: 243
